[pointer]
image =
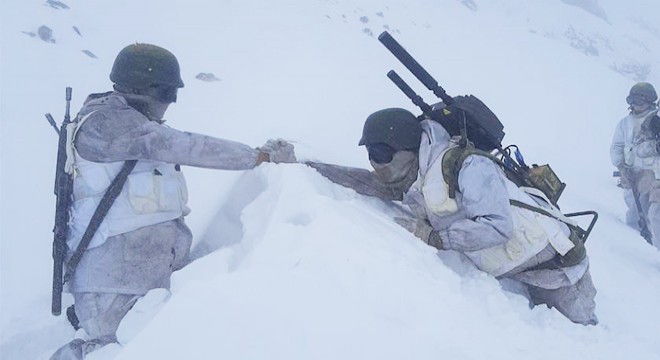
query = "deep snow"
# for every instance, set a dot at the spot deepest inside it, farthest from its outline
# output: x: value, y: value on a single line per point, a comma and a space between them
x: 295, y: 266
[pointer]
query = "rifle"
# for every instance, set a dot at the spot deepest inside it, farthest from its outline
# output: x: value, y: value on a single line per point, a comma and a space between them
x: 63, y: 192
x: 470, y: 118
x: 641, y: 221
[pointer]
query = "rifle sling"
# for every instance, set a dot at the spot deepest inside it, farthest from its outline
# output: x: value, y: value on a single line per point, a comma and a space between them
x: 99, y: 214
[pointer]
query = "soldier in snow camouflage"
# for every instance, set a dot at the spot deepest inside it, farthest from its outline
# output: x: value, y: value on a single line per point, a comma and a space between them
x: 512, y: 243
x: 635, y: 152
x: 143, y: 238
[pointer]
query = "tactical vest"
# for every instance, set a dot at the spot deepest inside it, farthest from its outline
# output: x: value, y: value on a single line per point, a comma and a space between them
x: 631, y: 128
x: 154, y: 192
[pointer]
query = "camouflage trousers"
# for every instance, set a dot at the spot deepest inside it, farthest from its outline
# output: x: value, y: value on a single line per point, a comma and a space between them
x: 99, y: 314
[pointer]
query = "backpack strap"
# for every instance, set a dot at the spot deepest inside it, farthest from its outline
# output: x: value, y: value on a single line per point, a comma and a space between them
x: 573, y: 256
x: 452, y: 162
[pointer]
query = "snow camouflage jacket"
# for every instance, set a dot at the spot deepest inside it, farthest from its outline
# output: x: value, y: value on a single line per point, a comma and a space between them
x: 113, y: 132
x: 154, y: 192
x: 628, y: 137
x: 480, y: 218
x: 144, y: 238
x: 508, y: 236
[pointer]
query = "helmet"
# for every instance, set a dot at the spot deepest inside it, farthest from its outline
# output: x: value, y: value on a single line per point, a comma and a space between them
x: 139, y: 66
x: 397, y: 128
x: 642, y: 93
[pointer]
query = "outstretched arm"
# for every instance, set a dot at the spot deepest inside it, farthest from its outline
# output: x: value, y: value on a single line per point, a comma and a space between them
x: 363, y: 181
x: 124, y: 134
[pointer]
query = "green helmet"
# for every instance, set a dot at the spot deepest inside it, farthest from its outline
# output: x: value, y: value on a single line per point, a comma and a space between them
x: 139, y: 66
x: 398, y: 128
x: 642, y: 93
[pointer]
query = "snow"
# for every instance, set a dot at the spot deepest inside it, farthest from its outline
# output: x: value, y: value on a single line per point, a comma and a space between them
x: 295, y: 267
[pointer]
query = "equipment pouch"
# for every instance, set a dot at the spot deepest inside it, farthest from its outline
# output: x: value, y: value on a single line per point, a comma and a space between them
x: 156, y: 191
x: 545, y: 179
x: 576, y: 254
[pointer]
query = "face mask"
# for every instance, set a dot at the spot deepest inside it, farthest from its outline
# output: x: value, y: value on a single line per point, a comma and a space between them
x: 148, y: 106
x: 402, y: 165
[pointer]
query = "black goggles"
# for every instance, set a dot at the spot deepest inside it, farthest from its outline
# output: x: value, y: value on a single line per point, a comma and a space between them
x: 380, y: 153
x: 636, y: 100
x: 165, y: 93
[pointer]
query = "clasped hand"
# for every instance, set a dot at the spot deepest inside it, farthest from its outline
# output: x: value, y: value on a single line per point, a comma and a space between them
x: 278, y: 151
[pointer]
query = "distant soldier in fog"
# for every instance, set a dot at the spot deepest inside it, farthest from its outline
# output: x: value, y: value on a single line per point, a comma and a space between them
x: 635, y: 152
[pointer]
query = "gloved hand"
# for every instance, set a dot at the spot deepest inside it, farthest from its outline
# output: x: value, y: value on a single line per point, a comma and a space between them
x: 422, y: 229
x: 277, y: 151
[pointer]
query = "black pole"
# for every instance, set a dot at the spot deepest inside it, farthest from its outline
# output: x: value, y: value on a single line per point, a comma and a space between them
x: 410, y: 93
x: 411, y: 64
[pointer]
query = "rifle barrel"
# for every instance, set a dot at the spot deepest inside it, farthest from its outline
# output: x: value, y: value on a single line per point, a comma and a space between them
x: 67, y: 116
x: 411, y: 64
x: 410, y: 93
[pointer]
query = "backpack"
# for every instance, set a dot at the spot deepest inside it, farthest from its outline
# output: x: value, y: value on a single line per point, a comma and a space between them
x: 543, y: 180
x: 472, y: 119
x: 541, y: 177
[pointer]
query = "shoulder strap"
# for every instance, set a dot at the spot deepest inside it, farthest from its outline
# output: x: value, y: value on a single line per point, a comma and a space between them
x: 452, y: 162
x: 71, y: 132
x: 541, y: 211
x: 99, y: 214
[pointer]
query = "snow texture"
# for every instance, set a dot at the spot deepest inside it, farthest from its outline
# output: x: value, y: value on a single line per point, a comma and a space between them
x: 289, y: 265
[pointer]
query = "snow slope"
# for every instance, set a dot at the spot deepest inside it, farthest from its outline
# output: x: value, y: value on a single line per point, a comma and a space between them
x: 295, y: 266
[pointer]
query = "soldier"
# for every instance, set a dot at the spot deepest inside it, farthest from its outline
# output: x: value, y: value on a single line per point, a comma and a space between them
x: 143, y: 238
x: 476, y: 217
x: 634, y: 153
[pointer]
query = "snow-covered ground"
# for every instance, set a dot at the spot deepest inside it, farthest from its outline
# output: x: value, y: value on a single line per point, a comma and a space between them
x: 296, y: 267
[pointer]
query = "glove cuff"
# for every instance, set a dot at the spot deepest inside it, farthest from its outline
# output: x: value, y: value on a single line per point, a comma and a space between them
x: 262, y: 157
x: 435, y: 240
